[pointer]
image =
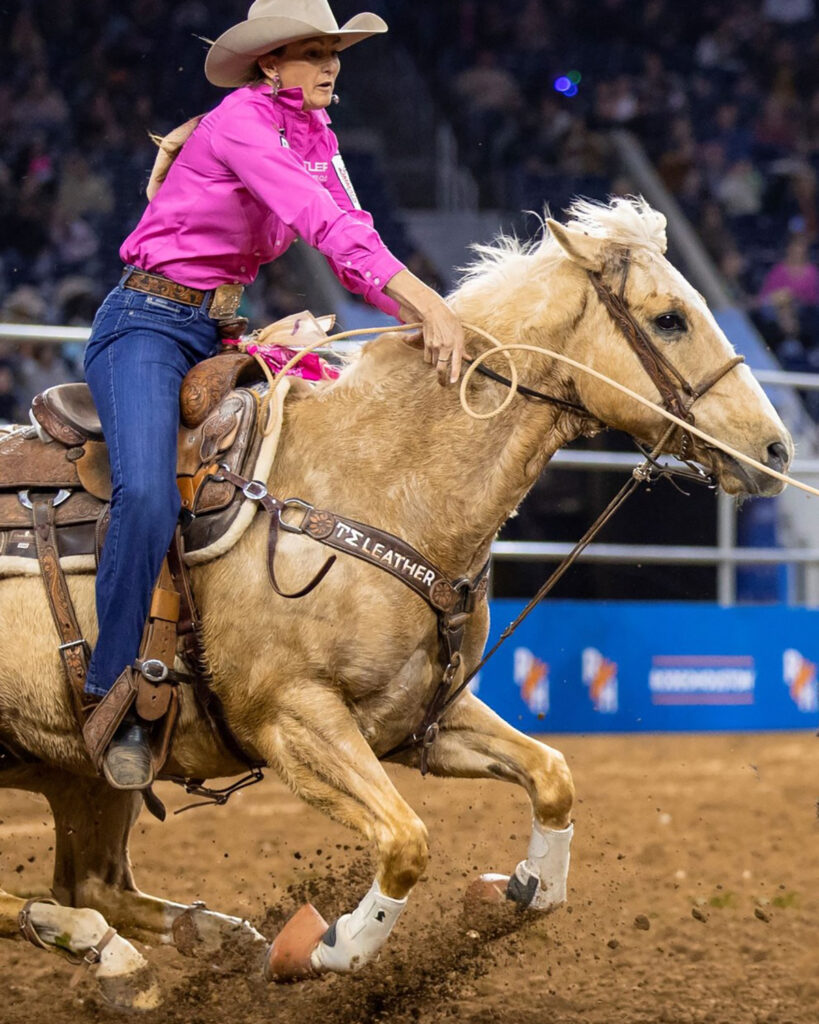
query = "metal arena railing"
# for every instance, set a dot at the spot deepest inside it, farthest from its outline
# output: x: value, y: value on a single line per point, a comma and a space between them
x: 725, y: 555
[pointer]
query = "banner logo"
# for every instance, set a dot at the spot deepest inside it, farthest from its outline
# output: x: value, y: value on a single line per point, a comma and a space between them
x: 600, y: 675
x: 702, y: 679
x: 800, y: 677
x: 532, y: 676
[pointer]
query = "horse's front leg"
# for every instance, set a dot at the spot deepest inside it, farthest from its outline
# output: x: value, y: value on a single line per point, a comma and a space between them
x: 475, y: 743
x: 318, y: 749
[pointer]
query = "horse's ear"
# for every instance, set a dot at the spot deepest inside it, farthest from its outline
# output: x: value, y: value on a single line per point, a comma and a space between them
x: 585, y: 250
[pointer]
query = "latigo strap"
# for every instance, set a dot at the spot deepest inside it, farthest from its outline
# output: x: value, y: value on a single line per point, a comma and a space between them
x: 151, y: 686
x: 73, y: 648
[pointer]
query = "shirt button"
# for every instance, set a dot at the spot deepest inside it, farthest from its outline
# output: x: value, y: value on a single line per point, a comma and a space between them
x: 257, y: 253
x: 349, y: 263
x: 243, y: 268
x: 367, y: 273
x: 377, y: 280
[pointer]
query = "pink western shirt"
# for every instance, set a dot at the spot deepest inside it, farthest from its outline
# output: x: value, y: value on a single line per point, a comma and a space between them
x: 257, y: 172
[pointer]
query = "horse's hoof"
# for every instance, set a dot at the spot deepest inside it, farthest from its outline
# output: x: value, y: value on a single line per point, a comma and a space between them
x: 288, y: 958
x: 200, y: 932
x: 488, y: 889
x: 136, y: 991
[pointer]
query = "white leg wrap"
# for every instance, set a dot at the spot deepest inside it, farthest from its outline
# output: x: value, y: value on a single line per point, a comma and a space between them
x: 545, y: 871
x: 354, y: 939
x: 84, y: 928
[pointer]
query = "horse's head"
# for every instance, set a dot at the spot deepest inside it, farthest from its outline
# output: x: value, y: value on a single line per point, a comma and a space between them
x: 612, y: 257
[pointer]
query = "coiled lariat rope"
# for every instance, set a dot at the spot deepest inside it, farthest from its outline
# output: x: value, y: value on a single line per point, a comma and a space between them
x: 701, y: 434
x: 500, y: 349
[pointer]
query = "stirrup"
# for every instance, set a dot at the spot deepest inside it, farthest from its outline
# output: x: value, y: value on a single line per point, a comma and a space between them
x: 127, y: 758
x: 107, y: 716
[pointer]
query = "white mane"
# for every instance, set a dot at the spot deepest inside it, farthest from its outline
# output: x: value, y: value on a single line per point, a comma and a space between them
x: 626, y: 222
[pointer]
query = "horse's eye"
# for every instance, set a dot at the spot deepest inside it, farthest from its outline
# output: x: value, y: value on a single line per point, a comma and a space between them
x: 670, y: 322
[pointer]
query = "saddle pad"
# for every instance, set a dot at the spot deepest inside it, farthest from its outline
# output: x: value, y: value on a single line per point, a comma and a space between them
x: 210, y: 536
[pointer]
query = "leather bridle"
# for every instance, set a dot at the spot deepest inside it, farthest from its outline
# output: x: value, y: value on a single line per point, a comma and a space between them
x: 677, y: 395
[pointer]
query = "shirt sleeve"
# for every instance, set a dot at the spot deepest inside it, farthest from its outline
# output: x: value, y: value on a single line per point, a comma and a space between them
x: 259, y: 156
x: 341, y: 189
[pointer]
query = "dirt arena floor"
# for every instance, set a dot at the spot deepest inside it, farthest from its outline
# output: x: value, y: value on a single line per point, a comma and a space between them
x: 694, y: 898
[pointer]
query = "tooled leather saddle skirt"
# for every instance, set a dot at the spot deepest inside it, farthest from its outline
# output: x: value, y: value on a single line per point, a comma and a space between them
x: 63, y: 454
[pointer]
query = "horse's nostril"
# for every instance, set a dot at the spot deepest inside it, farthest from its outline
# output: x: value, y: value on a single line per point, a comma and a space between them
x: 777, y: 456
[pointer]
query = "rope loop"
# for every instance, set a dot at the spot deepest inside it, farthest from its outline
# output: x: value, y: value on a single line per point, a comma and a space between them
x: 505, y: 349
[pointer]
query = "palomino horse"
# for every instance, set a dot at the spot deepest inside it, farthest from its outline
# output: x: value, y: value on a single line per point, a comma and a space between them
x: 320, y: 688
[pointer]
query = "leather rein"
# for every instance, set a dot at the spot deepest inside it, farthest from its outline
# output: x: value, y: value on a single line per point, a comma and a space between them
x: 454, y: 601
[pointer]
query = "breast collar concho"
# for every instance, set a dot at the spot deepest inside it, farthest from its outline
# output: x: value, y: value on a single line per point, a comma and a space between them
x: 452, y: 601
x: 677, y: 394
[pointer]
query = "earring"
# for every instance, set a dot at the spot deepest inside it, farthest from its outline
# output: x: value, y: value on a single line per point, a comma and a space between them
x: 335, y: 98
x: 275, y: 82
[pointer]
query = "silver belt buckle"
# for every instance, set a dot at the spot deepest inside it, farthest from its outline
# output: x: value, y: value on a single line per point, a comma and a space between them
x: 225, y: 301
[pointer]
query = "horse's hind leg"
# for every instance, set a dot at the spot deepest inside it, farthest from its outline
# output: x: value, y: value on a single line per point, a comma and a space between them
x: 125, y: 979
x: 92, y: 868
x: 475, y: 743
x: 319, y: 751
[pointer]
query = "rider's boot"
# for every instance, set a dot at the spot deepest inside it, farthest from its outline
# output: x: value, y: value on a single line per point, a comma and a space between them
x: 116, y: 738
x: 128, y: 763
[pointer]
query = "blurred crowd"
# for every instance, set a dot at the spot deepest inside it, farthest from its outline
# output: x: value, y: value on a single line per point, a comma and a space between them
x: 724, y: 98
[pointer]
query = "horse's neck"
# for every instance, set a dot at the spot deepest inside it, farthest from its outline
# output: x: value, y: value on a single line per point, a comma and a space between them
x: 389, y: 446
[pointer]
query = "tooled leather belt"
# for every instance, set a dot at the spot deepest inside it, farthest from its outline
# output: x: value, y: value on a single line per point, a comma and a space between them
x: 222, y: 304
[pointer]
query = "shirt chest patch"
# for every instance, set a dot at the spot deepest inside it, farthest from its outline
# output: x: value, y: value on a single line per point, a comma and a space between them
x: 344, y: 178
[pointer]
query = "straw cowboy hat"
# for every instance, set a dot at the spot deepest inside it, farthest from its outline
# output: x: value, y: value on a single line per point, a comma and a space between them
x: 274, y: 23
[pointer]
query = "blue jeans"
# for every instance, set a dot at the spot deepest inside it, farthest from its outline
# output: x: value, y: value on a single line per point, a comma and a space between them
x: 141, y: 347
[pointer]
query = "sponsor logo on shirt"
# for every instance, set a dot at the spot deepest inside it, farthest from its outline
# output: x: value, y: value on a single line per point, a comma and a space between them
x: 344, y: 178
x: 532, y: 676
x: 600, y: 675
x: 319, y: 167
x: 705, y: 679
x: 800, y: 677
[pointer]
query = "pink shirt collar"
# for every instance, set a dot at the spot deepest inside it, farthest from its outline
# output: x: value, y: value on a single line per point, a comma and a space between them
x: 293, y: 99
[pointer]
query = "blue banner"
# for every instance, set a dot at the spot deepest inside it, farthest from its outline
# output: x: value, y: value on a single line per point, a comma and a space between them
x: 587, y: 666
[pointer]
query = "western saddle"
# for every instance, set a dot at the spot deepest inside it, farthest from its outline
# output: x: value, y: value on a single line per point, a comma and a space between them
x: 55, y: 489
x: 219, y: 405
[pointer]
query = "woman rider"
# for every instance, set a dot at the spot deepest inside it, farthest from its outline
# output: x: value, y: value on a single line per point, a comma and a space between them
x: 258, y: 170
